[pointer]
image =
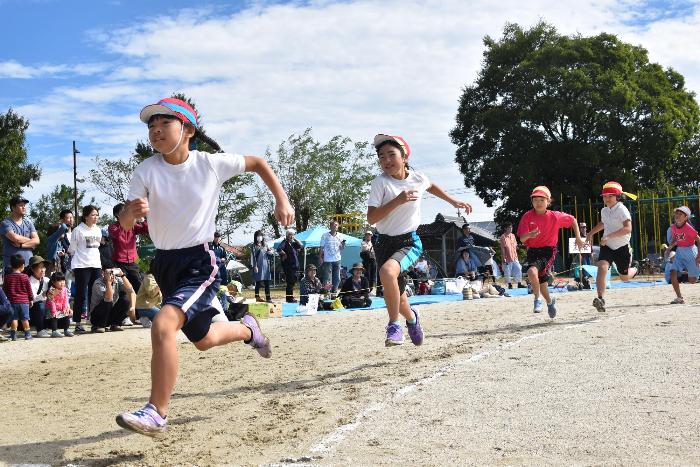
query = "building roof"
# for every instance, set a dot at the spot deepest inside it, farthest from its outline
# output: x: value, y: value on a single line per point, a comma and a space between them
x: 443, y: 223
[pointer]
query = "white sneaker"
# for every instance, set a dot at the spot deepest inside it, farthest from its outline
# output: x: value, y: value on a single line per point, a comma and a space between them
x: 145, y: 322
x: 127, y: 322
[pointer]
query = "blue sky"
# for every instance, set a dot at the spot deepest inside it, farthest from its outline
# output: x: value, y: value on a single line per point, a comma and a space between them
x: 261, y: 71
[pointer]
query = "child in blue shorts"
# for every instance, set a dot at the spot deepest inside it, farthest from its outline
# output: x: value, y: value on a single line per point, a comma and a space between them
x: 394, y: 206
x: 178, y: 189
x: 686, y: 240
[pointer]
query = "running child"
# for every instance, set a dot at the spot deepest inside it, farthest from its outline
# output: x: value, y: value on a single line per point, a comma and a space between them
x: 686, y: 240
x: 615, y: 248
x: 539, y: 231
x: 394, y: 206
x: 178, y: 189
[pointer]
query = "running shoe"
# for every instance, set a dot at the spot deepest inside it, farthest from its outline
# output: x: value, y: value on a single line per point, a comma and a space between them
x: 127, y: 322
x: 56, y: 334
x: 146, y: 421
x: 43, y: 333
x: 79, y: 329
x: 599, y: 304
x: 539, y: 306
x: 258, y: 340
x: 28, y: 335
x: 415, y: 331
x: 68, y: 333
x: 552, y: 308
x: 678, y: 301
x: 394, y: 335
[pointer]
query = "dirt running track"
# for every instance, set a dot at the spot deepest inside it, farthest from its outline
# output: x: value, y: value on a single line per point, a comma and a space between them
x: 493, y: 384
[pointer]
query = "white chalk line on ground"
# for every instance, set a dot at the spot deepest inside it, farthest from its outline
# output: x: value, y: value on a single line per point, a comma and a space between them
x: 336, y: 436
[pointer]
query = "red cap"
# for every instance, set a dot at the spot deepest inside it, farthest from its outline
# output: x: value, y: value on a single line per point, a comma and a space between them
x: 380, y: 138
x: 542, y: 191
x: 612, y: 188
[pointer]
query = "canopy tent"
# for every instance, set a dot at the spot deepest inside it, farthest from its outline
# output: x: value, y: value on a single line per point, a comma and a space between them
x: 312, y: 239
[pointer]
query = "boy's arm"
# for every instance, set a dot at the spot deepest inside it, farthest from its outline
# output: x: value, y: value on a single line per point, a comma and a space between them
x: 433, y: 189
x: 284, y: 212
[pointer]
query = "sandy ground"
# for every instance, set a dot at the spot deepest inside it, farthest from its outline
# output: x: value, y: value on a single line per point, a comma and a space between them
x: 493, y: 384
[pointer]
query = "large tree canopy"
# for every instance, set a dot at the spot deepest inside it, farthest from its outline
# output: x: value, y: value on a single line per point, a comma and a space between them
x: 572, y: 112
x: 321, y: 179
x: 113, y: 176
x: 16, y: 172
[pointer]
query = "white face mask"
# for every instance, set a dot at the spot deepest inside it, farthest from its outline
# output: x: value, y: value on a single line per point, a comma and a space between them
x: 259, y: 239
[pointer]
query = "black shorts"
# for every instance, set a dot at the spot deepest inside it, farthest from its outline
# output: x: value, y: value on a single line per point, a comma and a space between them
x: 542, y: 259
x: 622, y: 257
x: 188, y: 279
x: 405, y: 249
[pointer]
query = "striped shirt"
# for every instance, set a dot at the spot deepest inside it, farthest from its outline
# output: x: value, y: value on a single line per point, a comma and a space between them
x: 18, y: 288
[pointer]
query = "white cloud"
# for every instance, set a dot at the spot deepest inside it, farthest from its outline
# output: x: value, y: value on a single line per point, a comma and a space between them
x: 14, y: 69
x: 350, y: 68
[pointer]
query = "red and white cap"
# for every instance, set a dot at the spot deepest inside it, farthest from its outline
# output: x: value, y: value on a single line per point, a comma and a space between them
x: 381, y: 138
x: 542, y: 191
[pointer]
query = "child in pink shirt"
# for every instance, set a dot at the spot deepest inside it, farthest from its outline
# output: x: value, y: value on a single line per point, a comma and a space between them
x: 538, y: 229
x: 686, y: 240
x: 57, y: 306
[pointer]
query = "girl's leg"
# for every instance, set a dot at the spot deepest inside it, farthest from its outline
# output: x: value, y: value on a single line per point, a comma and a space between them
x: 54, y: 324
x: 81, y: 280
x: 222, y: 333
x: 533, y: 275
x: 674, y: 283
x: 389, y: 273
x: 164, y: 358
x: 257, y: 289
x: 545, y: 293
x: 603, y: 267
x: 404, y: 307
x: 95, y: 274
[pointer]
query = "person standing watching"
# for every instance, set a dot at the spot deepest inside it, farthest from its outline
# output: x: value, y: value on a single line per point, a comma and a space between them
x: 289, y: 252
x: 124, y: 254
x: 18, y: 234
x: 221, y: 258
x: 331, y: 248
x: 512, y: 270
x: 369, y: 259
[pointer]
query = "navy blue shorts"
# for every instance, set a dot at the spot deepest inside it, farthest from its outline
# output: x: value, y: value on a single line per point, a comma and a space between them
x: 188, y: 279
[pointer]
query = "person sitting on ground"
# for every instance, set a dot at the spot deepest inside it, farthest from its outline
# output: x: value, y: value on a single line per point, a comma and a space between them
x: 148, y: 300
x: 40, y: 285
x: 355, y: 290
x: 310, y: 284
x: 111, y: 300
x: 57, y: 307
x: 464, y: 264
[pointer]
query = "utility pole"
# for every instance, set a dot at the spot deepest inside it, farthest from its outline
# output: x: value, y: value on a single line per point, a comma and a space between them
x: 75, y: 182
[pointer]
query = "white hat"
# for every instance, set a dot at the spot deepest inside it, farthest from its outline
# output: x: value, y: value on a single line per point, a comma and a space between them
x: 291, y: 231
x: 684, y: 209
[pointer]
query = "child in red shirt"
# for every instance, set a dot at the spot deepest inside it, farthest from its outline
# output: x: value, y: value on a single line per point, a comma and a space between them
x: 686, y: 240
x: 19, y: 293
x: 539, y: 231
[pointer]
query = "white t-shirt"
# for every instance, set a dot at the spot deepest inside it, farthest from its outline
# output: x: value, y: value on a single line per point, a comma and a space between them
x: 39, y: 297
x: 331, y: 245
x: 405, y: 218
x: 614, y: 218
x: 85, y: 247
x: 183, y: 199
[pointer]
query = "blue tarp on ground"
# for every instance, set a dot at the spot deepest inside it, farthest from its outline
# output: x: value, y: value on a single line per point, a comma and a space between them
x: 290, y: 309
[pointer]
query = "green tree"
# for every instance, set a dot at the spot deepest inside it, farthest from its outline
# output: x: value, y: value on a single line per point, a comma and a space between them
x: 45, y: 212
x: 113, y: 176
x: 321, y: 179
x: 16, y: 172
x: 571, y: 112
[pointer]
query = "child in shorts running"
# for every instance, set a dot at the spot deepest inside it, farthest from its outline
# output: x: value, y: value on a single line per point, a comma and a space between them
x: 394, y: 206
x: 538, y: 229
x: 686, y: 240
x: 178, y: 188
x: 616, y: 223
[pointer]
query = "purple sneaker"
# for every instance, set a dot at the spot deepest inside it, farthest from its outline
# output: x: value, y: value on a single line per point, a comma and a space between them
x: 415, y: 331
x: 259, y: 342
x: 394, y: 335
x: 146, y: 421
